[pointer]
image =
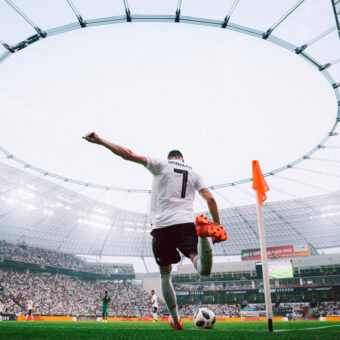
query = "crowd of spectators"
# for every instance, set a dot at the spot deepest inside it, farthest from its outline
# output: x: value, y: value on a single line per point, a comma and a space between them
x: 61, y: 295
x: 54, y: 258
x: 328, y: 308
x: 315, y: 310
x: 57, y: 295
x: 302, y: 309
x: 52, y: 295
x: 220, y: 310
x: 142, y: 299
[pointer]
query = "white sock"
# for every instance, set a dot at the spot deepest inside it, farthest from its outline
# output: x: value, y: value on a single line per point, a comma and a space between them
x: 26, y: 317
x: 32, y: 316
x: 170, y: 296
x: 203, y: 261
x: 154, y: 315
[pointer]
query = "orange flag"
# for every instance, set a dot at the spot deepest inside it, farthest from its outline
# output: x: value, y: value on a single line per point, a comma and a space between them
x: 259, y: 183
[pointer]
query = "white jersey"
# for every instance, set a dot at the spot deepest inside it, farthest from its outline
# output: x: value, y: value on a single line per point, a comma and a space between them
x: 154, y: 301
x: 29, y: 304
x: 173, y: 192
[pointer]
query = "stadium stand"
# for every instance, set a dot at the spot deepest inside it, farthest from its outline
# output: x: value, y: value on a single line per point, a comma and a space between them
x: 220, y: 310
x: 53, y: 295
x: 316, y: 279
x: 53, y: 258
x: 141, y: 299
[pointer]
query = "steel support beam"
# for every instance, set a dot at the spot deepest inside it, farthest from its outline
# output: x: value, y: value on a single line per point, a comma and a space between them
x: 284, y: 17
x: 41, y: 33
x: 336, y: 14
x: 82, y: 22
x: 127, y: 11
x: 228, y: 16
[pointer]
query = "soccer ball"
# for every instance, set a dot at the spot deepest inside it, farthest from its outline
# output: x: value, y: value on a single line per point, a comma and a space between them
x: 204, y: 318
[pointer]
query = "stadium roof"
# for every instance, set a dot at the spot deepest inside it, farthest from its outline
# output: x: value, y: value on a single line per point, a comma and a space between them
x: 318, y: 48
x: 44, y: 209
x: 40, y: 213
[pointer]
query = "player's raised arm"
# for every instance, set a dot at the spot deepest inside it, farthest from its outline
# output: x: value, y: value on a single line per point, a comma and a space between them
x: 212, y: 205
x: 120, y: 151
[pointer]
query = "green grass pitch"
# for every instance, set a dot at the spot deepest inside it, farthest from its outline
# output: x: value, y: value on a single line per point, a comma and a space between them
x: 161, y: 331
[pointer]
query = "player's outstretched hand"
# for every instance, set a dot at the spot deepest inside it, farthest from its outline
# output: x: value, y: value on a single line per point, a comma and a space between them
x: 92, y: 137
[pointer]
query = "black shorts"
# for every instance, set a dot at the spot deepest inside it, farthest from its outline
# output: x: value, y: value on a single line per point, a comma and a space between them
x: 167, y: 241
x: 154, y: 309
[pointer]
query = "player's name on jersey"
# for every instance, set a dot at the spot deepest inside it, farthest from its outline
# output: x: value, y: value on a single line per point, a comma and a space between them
x: 180, y: 164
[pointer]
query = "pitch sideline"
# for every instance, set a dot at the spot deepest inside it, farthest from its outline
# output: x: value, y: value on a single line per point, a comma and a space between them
x: 194, y: 329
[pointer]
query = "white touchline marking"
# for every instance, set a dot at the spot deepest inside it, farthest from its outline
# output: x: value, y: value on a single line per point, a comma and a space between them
x: 186, y: 329
x: 305, y: 329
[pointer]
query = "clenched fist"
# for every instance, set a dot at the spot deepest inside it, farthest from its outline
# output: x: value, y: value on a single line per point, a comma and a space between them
x: 92, y: 137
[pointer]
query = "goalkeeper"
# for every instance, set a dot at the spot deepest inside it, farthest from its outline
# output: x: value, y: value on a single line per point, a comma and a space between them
x: 106, y: 303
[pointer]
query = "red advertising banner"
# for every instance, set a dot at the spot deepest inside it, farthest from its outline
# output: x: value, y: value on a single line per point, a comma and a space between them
x: 277, y: 252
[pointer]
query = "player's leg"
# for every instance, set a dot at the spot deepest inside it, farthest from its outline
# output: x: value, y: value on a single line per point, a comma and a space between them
x: 165, y: 252
x: 32, y: 317
x: 168, y: 292
x: 206, y: 230
x: 203, y: 259
x: 198, y: 249
x: 154, y: 314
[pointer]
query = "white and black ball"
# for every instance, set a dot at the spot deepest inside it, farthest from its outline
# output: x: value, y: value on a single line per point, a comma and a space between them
x: 204, y: 318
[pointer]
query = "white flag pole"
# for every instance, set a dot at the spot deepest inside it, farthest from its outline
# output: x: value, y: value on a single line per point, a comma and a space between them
x: 267, y: 296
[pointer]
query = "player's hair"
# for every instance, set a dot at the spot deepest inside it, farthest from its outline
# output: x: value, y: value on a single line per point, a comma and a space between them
x: 152, y: 291
x: 106, y: 291
x: 175, y: 154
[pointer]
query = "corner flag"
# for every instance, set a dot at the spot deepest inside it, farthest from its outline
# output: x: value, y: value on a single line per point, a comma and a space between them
x: 260, y: 186
x: 259, y: 183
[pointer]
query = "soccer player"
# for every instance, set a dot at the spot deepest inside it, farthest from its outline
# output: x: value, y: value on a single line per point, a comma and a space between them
x: 171, y: 210
x: 154, y: 306
x: 29, y: 308
x: 106, y: 303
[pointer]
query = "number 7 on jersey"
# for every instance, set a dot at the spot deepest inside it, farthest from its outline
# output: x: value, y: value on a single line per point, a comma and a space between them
x: 184, y: 182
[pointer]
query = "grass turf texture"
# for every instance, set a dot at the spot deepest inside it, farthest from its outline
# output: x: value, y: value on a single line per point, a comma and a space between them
x: 161, y: 331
